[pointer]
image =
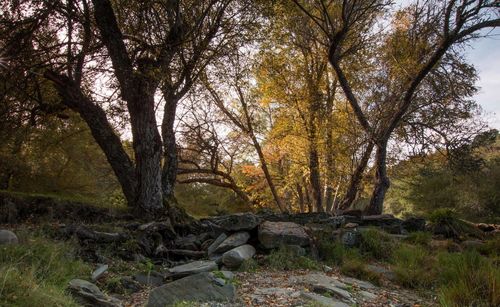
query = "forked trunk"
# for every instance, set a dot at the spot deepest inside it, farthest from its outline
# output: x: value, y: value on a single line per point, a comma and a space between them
x: 382, y: 181
x: 357, y: 176
x: 169, y: 172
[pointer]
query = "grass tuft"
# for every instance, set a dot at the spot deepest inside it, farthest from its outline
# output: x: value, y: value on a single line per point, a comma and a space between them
x: 38, y: 271
x: 286, y: 258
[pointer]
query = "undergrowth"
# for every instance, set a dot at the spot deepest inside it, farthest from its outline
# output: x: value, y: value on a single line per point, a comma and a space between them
x: 38, y: 270
x: 286, y: 258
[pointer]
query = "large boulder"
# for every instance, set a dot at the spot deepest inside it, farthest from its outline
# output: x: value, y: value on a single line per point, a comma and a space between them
x: 192, y: 268
x: 235, y: 257
x: 386, y: 222
x: 274, y: 234
x: 88, y: 294
x: 202, y: 287
x: 8, y: 237
x: 236, y: 222
x: 234, y: 240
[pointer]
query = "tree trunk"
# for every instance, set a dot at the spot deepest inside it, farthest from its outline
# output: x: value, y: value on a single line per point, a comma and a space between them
x: 301, y: 198
x: 169, y: 172
x: 267, y: 174
x: 314, y: 177
x: 356, y: 178
x: 148, y: 153
x: 101, y: 130
x: 382, y: 181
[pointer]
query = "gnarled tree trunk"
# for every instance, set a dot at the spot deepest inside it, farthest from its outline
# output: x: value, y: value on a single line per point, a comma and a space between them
x: 382, y: 181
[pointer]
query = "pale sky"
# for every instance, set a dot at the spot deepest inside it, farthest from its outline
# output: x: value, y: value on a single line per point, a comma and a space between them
x: 485, y: 55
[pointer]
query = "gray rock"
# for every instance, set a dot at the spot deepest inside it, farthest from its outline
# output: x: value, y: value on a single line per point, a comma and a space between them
x: 88, y: 294
x: 8, y: 237
x: 274, y: 234
x: 237, y: 222
x: 350, y: 238
x: 234, y: 240
x: 472, y: 244
x: 193, y: 268
x: 154, y: 279
x: 202, y: 287
x: 322, y: 300
x: 235, y: 257
x: 358, y: 283
x: 367, y: 296
x: 334, y: 291
x: 296, y: 250
x: 99, y: 272
x: 216, y: 243
x: 386, y: 273
x: 130, y: 284
x: 322, y: 279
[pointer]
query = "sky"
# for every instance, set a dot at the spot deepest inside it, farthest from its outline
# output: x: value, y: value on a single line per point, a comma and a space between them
x: 485, y: 55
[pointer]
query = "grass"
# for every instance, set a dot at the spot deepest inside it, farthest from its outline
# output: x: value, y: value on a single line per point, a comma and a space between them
x: 38, y: 270
x: 376, y: 244
x: 413, y: 266
x: 285, y: 258
x: 420, y: 238
x: 468, y: 279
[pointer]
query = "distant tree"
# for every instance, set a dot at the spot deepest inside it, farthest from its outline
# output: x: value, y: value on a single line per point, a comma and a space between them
x: 421, y: 37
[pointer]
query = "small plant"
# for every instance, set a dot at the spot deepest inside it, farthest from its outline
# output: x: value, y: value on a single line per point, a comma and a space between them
x: 377, y: 244
x: 285, y: 258
x: 419, y: 237
x: 356, y: 267
x: 249, y: 265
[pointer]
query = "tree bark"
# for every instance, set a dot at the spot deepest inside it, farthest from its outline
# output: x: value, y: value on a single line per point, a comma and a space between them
x: 314, y: 176
x: 170, y: 159
x: 356, y: 178
x: 301, y: 198
x: 382, y: 181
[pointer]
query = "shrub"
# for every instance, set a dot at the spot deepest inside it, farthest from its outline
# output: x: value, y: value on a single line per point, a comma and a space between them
x: 38, y: 271
x: 413, y: 266
x: 286, y: 258
x: 468, y: 279
x: 356, y: 267
x: 377, y: 244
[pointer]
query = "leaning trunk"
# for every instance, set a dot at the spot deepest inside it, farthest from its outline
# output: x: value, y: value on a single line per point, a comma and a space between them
x: 382, y: 182
x: 356, y: 178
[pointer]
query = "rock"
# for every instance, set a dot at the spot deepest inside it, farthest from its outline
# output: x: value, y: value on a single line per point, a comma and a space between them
x: 193, y: 268
x: 8, y: 237
x: 216, y: 243
x: 274, y: 234
x: 235, y: 257
x: 386, y: 273
x: 385, y: 221
x: 358, y: 283
x: 154, y: 279
x: 189, y: 242
x: 367, y: 296
x: 486, y: 227
x: 333, y: 291
x: 350, y: 238
x: 413, y: 224
x: 88, y: 294
x: 202, y: 287
x: 351, y: 225
x: 234, y: 240
x: 237, y: 222
x: 313, y: 279
x: 99, y: 272
x: 129, y: 284
x: 322, y: 300
x: 296, y: 250
x: 472, y: 244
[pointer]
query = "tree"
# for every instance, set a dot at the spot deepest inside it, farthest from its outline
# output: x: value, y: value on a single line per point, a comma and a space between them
x: 422, y: 34
x: 152, y: 47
